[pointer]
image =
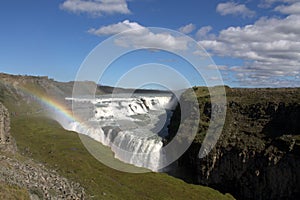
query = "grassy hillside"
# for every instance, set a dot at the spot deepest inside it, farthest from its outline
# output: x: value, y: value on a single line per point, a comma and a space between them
x: 44, y: 140
x: 9, y: 192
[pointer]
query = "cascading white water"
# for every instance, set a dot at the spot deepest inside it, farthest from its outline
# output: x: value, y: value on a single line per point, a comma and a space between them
x: 131, y: 127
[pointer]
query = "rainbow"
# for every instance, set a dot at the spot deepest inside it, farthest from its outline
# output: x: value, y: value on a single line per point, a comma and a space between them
x: 32, y: 91
x: 49, y: 103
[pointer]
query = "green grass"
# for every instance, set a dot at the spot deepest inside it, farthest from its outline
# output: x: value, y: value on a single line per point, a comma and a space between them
x: 46, y: 141
x: 10, y: 192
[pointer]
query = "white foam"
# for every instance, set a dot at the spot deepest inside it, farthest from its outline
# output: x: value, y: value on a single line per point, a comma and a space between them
x: 131, y: 143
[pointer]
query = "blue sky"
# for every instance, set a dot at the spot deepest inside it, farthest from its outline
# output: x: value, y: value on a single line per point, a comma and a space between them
x: 255, y: 43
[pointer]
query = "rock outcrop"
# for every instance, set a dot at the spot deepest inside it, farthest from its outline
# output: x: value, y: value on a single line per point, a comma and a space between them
x: 4, y: 125
x: 7, y: 143
x: 258, y: 153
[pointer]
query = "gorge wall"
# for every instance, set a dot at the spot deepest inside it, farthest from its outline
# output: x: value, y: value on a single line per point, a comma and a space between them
x: 6, y: 141
x: 4, y: 125
x: 256, y: 157
x: 258, y: 153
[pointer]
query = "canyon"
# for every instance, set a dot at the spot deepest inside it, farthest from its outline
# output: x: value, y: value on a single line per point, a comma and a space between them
x: 256, y: 156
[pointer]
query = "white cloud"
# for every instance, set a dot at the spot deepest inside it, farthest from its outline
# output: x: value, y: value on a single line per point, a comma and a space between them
x: 214, y: 78
x: 141, y: 37
x: 269, y: 3
x: 289, y: 9
x: 187, y: 28
x: 218, y: 67
x: 116, y: 28
x: 96, y: 7
x: 270, y: 49
x: 202, y: 54
x: 203, y: 33
x: 232, y: 8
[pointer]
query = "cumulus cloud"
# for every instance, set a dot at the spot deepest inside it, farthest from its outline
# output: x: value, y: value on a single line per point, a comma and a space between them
x: 232, y: 8
x: 289, y: 9
x: 141, y: 37
x: 116, y: 28
x: 218, y: 67
x: 96, y: 7
x: 270, y: 48
x: 203, y: 33
x: 187, y: 28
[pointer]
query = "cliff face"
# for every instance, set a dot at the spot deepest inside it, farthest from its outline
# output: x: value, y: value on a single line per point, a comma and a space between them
x: 258, y: 153
x: 6, y: 141
x: 4, y: 125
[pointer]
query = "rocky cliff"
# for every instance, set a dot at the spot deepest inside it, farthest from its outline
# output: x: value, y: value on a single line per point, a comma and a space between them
x: 7, y: 143
x: 258, y: 153
x: 4, y: 125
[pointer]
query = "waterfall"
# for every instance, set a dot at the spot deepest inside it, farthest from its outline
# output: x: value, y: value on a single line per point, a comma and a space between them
x: 128, y: 126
